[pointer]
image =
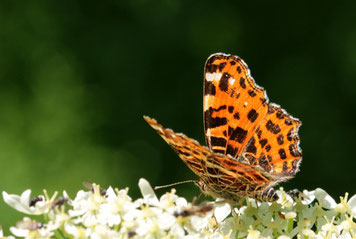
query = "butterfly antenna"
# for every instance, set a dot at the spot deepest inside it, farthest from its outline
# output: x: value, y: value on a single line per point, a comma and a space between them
x: 173, y: 184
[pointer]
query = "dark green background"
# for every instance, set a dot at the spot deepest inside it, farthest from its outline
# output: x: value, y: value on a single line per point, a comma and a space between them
x: 77, y: 76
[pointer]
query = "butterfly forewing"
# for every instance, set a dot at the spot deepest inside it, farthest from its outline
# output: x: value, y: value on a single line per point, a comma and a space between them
x: 234, y: 105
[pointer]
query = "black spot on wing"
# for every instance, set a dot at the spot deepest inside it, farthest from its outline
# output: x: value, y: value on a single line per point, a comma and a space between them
x: 210, y: 68
x: 223, y: 84
x: 271, y: 109
x: 282, y: 153
x: 252, y: 115
x: 237, y: 115
x: 231, y: 150
x: 222, y: 107
x: 273, y: 128
x: 215, y: 122
x: 259, y: 132
x: 293, y: 149
x: 209, y: 88
x: 238, y: 69
x: 263, y: 142
x: 288, y: 122
x: 219, y: 151
x: 290, y: 135
x: 268, y: 148
x: 252, y: 93
x: 263, y: 100
x: 251, y: 148
x: 218, y: 141
x: 212, y: 122
x: 222, y: 65
x: 238, y: 134
x: 280, y: 114
x: 230, y: 109
x: 242, y: 82
x: 280, y: 139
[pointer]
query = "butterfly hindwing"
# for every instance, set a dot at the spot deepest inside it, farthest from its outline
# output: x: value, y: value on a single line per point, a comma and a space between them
x: 275, y: 144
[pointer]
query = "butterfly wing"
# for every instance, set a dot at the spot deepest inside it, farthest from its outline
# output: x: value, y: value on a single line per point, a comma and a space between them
x: 275, y: 144
x: 240, y: 123
x: 234, y: 105
x: 223, y: 175
x: 189, y: 150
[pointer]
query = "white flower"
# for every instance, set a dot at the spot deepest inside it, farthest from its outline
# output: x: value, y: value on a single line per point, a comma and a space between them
x: 329, y: 228
x: 86, y: 206
x: 284, y: 198
x: 352, y: 204
x: 22, y: 203
x: 347, y: 206
x: 325, y: 200
x: 110, y: 211
x: 283, y: 237
x: 308, y: 197
x: 290, y: 215
x: 31, y: 229
x: 348, y: 225
x: 221, y: 211
x: 308, y: 233
x: 115, y: 215
x: 76, y: 231
x: 147, y: 192
x: 253, y: 234
x: 101, y: 231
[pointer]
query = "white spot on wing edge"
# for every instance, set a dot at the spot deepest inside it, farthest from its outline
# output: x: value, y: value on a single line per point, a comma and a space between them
x: 219, y: 53
x: 212, y: 76
x: 207, y: 101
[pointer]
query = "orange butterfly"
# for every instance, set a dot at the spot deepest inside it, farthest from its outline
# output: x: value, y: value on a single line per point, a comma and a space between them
x: 252, y: 144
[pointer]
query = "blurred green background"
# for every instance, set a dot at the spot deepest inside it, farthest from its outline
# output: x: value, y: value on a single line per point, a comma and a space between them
x: 77, y: 76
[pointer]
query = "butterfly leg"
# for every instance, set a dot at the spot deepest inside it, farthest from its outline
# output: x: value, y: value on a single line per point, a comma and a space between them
x: 268, y: 195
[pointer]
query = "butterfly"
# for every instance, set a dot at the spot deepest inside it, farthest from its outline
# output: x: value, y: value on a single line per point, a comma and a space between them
x: 251, y: 144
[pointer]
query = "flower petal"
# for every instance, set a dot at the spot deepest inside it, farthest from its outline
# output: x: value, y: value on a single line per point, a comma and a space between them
x: 147, y: 192
x: 16, y: 201
x: 222, y: 211
x: 352, y: 204
x: 325, y: 199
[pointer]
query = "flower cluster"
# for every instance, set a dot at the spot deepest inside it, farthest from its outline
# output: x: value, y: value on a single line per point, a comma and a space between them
x: 111, y: 213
